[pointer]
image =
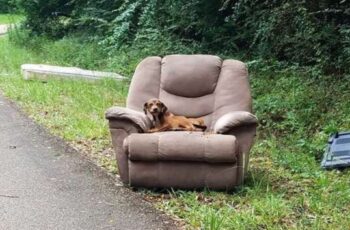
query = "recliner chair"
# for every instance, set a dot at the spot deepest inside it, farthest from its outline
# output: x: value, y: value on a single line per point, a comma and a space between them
x: 192, y: 86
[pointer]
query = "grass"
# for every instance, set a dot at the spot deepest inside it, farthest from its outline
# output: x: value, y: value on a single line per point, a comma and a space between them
x: 285, y: 188
x: 10, y: 18
x: 73, y: 110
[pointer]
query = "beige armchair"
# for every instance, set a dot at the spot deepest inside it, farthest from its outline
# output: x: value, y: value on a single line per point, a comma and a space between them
x: 193, y: 86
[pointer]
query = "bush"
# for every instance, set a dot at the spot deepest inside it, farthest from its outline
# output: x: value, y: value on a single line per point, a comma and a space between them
x: 303, y: 33
x: 7, y: 6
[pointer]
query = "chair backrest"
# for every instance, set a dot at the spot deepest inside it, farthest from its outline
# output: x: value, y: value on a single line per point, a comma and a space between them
x: 192, y: 85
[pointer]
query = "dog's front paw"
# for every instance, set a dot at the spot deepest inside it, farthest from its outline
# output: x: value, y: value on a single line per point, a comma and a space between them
x: 151, y: 131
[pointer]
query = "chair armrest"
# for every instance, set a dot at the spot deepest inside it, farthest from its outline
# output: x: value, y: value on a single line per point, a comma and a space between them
x: 122, y: 123
x: 233, y: 120
x: 126, y: 117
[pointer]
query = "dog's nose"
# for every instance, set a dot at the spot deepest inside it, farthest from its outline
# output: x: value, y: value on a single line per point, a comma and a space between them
x: 155, y: 110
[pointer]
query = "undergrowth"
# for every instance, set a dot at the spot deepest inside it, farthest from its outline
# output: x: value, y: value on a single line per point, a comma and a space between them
x: 10, y: 18
x: 285, y: 187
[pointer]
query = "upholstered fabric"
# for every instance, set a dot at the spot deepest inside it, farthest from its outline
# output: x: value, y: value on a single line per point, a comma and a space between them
x: 183, y: 75
x: 232, y: 92
x: 138, y: 118
x: 145, y: 83
x: 184, y: 175
x: 234, y: 119
x: 193, y: 86
x: 181, y: 146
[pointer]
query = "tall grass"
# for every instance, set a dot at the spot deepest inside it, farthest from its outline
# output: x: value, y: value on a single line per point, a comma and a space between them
x: 10, y: 18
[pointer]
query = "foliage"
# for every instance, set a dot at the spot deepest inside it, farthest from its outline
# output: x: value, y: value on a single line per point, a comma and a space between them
x: 302, y: 33
x: 47, y: 16
x: 8, y: 6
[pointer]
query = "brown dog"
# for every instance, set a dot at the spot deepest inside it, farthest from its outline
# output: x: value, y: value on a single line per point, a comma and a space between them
x: 163, y: 120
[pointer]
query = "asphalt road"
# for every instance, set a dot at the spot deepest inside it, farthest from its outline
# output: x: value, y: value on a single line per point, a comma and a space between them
x: 44, y: 184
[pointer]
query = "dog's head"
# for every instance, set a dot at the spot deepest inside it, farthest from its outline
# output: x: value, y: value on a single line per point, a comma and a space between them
x: 155, y: 107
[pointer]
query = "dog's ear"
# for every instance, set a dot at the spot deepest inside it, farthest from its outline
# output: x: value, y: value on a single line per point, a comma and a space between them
x: 164, y: 108
x: 145, y: 107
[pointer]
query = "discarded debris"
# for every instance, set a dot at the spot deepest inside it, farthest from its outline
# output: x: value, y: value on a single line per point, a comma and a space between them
x: 3, y: 29
x: 45, y: 72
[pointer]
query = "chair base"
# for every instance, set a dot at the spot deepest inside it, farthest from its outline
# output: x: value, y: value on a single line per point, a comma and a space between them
x: 183, y: 175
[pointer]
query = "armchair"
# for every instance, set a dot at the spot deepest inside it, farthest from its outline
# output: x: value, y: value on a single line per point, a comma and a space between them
x: 193, y: 86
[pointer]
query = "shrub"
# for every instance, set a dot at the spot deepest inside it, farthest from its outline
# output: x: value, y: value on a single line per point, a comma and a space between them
x: 7, y: 6
x: 303, y: 33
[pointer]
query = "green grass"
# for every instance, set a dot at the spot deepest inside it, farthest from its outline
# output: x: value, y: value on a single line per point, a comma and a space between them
x: 73, y: 110
x: 10, y: 18
x: 285, y: 187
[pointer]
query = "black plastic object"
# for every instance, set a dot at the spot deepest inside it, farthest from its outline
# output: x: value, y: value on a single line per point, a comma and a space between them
x: 337, y: 154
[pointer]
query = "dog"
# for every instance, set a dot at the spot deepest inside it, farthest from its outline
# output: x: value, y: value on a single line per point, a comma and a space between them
x: 163, y: 120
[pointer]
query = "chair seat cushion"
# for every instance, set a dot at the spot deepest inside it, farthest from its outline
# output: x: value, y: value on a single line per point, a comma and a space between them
x: 181, y: 146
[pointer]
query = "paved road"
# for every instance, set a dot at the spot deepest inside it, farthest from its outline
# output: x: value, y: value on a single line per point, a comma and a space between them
x: 44, y: 184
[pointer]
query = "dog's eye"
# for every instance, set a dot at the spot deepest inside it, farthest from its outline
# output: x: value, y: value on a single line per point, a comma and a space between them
x: 158, y: 103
